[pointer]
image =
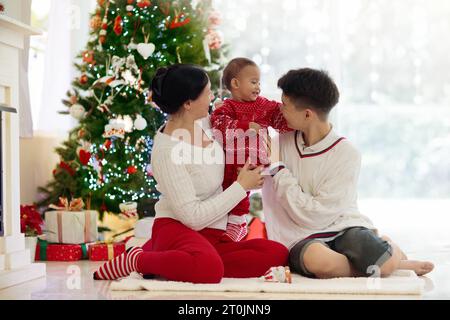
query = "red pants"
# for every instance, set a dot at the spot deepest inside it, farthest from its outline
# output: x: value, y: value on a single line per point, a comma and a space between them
x: 179, y: 253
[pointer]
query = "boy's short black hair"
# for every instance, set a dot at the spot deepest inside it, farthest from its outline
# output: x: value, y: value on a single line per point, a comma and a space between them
x: 233, y: 68
x: 310, y: 88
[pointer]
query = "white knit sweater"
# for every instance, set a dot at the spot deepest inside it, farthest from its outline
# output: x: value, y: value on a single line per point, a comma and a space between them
x: 189, y: 179
x: 316, y: 192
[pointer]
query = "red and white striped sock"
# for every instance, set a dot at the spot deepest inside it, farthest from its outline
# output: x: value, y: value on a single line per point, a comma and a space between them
x: 236, y: 232
x: 119, y: 267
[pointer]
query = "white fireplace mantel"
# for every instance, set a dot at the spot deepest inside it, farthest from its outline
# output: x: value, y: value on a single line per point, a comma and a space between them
x: 15, y: 264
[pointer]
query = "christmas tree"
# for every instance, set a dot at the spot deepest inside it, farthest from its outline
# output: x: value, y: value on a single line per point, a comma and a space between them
x: 106, y: 159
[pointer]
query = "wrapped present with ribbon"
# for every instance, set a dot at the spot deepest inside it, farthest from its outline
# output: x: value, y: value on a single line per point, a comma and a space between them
x: 46, y: 251
x: 278, y: 274
x: 104, y: 251
x: 70, y: 224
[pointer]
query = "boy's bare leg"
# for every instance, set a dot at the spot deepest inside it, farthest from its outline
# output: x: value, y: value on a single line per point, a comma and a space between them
x: 325, y: 263
x: 386, y: 238
x: 419, y: 267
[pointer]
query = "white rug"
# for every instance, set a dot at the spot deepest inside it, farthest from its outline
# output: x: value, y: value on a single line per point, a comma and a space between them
x: 402, y: 282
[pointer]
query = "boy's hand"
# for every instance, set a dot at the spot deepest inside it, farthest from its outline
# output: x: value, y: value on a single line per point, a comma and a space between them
x: 273, y: 147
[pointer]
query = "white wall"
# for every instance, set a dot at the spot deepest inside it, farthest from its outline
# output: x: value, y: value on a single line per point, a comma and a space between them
x: 37, y: 161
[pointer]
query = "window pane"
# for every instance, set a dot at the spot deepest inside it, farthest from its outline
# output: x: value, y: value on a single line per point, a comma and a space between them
x: 388, y: 59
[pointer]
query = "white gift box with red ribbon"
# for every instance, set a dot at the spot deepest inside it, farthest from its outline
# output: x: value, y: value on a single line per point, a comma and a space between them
x: 70, y: 225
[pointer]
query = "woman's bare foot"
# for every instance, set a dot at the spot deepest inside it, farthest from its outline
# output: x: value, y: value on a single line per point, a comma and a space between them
x: 419, y: 267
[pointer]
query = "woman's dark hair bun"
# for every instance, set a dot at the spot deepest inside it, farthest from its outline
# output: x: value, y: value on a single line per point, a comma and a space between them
x: 174, y: 85
x: 158, y: 80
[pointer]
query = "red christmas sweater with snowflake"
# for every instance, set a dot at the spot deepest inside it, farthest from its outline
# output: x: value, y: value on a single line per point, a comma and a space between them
x: 238, y: 115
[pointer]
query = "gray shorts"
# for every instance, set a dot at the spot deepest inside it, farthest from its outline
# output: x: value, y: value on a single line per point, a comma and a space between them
x: 363, y: 248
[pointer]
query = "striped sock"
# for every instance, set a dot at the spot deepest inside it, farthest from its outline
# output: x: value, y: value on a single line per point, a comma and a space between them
x: 236, y: 232
x: 119, y: 267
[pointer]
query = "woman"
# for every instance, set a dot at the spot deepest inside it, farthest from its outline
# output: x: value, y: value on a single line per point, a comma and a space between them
x: 191, y: 216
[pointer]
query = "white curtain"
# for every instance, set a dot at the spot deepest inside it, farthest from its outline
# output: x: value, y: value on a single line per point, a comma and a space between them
x: 68, y: 28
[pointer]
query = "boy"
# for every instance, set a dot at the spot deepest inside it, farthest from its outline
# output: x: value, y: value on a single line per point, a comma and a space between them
x: 310, y: 201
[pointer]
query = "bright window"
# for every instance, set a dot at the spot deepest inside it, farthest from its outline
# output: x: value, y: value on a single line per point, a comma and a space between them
x: 389, y: 59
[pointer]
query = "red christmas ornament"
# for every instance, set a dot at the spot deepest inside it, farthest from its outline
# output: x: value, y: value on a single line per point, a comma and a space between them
x: 118, y: 26
x: 85, y: 156
x: 65, y: 166
x: 102, y: 39
x: 179, y: 21
x: 103, y: 207
x: 164, y: 7
x: 83, y: 79
x: 144, y: 4
x: 131, y: 170
x: 130, y: 1
x: 88, y: 57
x: 107, y: 144
x: 81, y: 133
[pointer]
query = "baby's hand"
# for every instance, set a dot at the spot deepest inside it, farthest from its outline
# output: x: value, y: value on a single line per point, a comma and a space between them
x: 254, y: 126
x: 217, y: 103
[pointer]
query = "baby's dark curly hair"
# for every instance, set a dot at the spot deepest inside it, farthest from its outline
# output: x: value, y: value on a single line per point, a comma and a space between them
x: 310, y: 88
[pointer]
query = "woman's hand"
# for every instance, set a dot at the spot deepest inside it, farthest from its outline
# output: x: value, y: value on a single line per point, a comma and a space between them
x: 250, y: 178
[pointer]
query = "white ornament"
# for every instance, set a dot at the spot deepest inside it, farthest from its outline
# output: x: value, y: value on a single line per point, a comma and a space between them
x: 131, y: 64
x: 77, y: 111
x: 103, y: 32
x: 132, y: 46
x: 129, y: 7
x: 146, y: 49
x: 140, y: 123
x: 128, y: 210
x: 114, y: 129
x: 129, y: 78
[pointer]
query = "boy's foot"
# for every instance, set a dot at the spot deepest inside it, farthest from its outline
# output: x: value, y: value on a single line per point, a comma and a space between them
x: 119, y: 267
x: 419, y: 267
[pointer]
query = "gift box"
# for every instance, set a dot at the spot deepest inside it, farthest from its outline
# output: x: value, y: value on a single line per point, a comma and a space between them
x: 119, y: 229
x: 46, y: 251
x: 256, y: 230
x: 68, y: 224
x: 105, y: 251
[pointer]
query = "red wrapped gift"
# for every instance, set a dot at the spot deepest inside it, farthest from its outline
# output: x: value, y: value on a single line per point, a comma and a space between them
x: 60, y: 252
x: 105, y: 251
x: 256, y: 230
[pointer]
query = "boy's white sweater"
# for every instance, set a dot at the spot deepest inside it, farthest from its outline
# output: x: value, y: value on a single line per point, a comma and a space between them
x: 316, y: 192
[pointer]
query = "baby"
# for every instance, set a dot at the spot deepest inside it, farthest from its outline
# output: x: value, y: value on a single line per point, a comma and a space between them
x: 245, y: 110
